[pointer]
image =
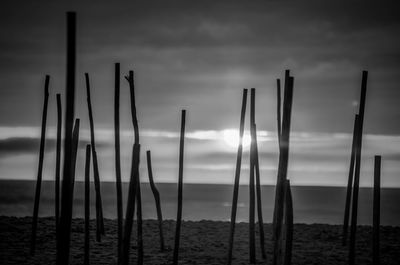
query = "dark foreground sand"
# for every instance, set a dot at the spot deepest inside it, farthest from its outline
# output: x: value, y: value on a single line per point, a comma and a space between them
x: 203, y: 242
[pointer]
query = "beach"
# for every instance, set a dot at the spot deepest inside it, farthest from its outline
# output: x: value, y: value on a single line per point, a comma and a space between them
x: 202, y: 242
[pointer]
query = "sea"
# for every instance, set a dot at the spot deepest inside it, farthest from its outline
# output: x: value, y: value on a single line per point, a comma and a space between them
x: 205, y: 202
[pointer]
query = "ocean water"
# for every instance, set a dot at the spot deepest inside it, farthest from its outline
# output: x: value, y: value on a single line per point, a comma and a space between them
x: 208, y: 202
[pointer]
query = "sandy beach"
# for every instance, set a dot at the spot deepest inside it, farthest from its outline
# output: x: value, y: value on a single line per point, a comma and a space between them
x: 202, y: 242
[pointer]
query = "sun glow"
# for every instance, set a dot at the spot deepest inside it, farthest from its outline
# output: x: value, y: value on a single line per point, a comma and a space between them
x: 231, y: 138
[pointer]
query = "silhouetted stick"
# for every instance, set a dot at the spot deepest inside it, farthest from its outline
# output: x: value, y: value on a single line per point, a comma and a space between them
x: 252, y: 234
x: 118, y: 162
x: 157, y: 200
x: 282, y: 168
x: 58, y: 161
x: 130, y: 207
x: 353, y: 228
x: 237, y: 177
x: 350, y: 183
x: 279, y: 184
x: 75, y: 144
x: 87, y: 205
x: 288, y: 224
x: 278, y: 111
x: 376, y: 211
x: 139, y: 223
x: 180, y: 189
x: 130, y: 79
x: 40, y: 167
x: 64, y: 231
x: 258, y: 189
x: 96, y: 174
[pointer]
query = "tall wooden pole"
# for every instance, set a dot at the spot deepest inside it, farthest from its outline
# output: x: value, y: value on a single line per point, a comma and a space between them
x: 118, y: 161
x: 288, y: 224
x: 58, y: 161
x: 258, y: 189
x: 64, y: 231
x: 139, y: 223
x: 96, y: 174
x: 252, y: 235
x: 157, y: 199
x: 376, y: 211
x: 40, y: 167
x: 282, y: 167
x: 237, y: 178
x: 353, y: 228
x: 278, y: 107
x: 87, y: 206
x: 350, y: 182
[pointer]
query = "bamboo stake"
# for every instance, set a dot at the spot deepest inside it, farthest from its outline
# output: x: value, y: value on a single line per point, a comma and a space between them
x: 180, y: 189
x: 282, y: 168
x: 139, y: 223
x: 40, y: 166
x: 252, y: 235
x: 130, y: 207
x: 87, y: 205
x: 279, y: 184
x: 64, y: 232
x: 157, y: 199
x: 376, y: 211
x: 353, y: 228
x: 350, y: 183
x: 99, y: 206
x: 288, y: 224
x: 58, y: 160
x: 118, y: 161
x: 258, y: 189
x: 237, y: 178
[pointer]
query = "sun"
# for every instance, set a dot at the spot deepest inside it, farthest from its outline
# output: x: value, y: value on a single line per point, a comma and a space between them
x: 231, y: 138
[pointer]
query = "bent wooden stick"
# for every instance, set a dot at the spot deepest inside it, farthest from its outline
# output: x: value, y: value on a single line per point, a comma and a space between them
x: 40, y: 167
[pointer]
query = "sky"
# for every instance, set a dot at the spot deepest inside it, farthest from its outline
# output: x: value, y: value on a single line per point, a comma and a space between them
x: 198, y: 56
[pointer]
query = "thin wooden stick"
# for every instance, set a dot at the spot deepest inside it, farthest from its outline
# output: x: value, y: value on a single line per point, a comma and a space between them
x: 139, y: 223
x: 237, y: 177
x: 40, y: 166
x: 376, y: 211
x: 278, y: 111
x: 282, y: 168
x: 75, y: 145
x: 87, y: 206
x: 64, y: 232
x: 130, y: 207
x: 353, y: 228
x: 130, y: 79
x: 118, y: 161
x: 157, y: 199
x: 258, y: 189
x: 252, y: 235
x: 180, y: 189
x: 58, y: 161
x: 350, y: 183
x: 99, y: 206
x: 288, y: 224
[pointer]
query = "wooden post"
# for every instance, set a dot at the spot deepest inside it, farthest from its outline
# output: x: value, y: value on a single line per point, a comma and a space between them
x: 130, y: 207
x: 288, y: 224
x: 96, y: 174
x: 376, y: 211
x: 64, y: 231
x: 139, y: 223
x: 118, y: 161
x: 87, y: 205
x: 252, y: 235
x: 157, y: 199
x: 58, y: 161
x: 40, y: 167
x: 353, y: 228
x: 258, y: 189
x: 350, y: 183
x: 75, y: 143
x: 180, y: 189
x: 237, y: 177
x: 278, y: 111
x: 282, y: 167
